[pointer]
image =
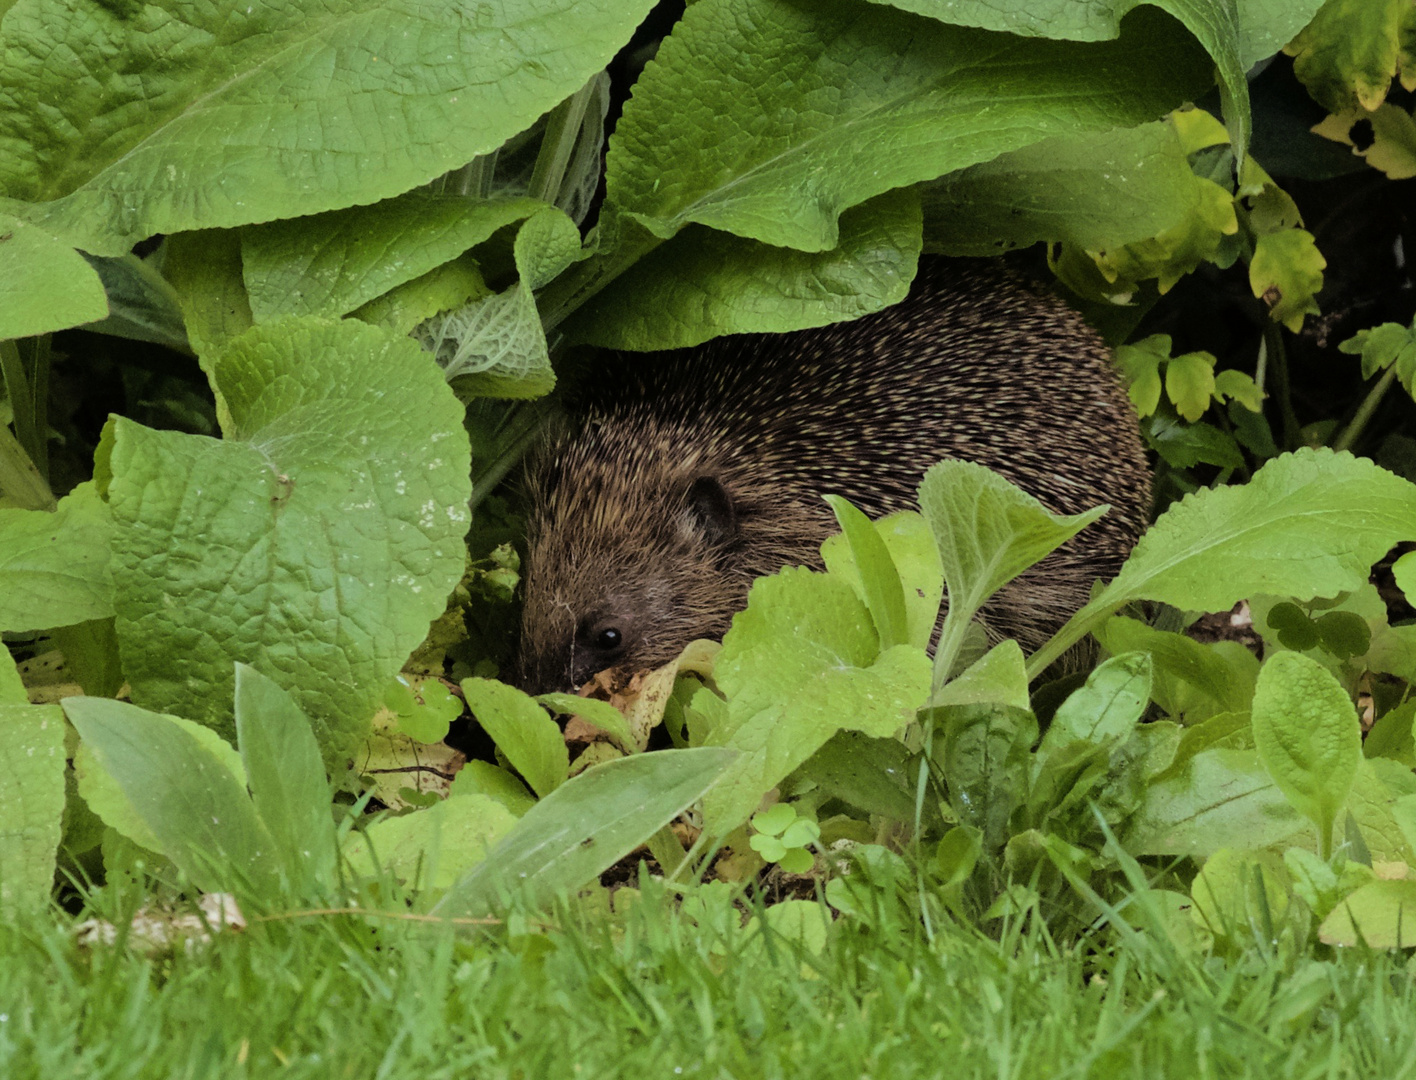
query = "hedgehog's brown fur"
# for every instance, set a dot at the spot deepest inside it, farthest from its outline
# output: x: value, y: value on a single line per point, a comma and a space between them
x: 695, y: 471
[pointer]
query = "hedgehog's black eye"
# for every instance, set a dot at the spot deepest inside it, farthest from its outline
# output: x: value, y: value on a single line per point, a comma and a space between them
x: 609, y: 639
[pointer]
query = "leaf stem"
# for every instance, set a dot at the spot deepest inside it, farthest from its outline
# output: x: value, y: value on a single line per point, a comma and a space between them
x: 22, y: 404
x: 1353, y: 431
x: 526, y: 422
x: 1278, y: 355
x: 557, y: 144
x: 19, y: 479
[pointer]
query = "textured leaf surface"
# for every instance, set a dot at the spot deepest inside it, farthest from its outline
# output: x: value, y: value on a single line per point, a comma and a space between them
x: 586, y: 825
x: 54, y: 566
x: 1348, y: 54
x: 198, y: 810
x: 988, y: 531
x: 330, y: 264
x: 45, y: 285
x: 316, y: 542
x: 1308, y: 737
x: 852, y: 107
x: 185, y: 115
x: 495, y: 346
x: 704, y: 283
x: 31, y: 801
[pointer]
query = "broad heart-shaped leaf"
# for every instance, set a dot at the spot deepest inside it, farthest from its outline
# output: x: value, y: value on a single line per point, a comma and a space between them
x: 704, y: 283
x: 586, y: 825
x: 45, y: 285
x: 858, y: 101
x: 1106, y: 708
x: 1308, y: 524
x: 331, y: 263
x: 315, y: 542
x: 431, y: 848
x: 286, y: 778
x: 801, y: 663
x: 988, y: 531
x: 522, y: 730
x: 198, y: 810
x: 1093, y: 189
x: 884, y: 594
x: 54, y: 566
x: 118, y: 123
x: 1380, y: 915
x: 31, y: 799
x: 1308, y: 737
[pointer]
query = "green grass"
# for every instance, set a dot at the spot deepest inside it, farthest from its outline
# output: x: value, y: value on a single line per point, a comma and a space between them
x: 652, y: 994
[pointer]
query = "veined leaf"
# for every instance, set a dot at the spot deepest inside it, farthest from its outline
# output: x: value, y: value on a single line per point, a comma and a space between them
x: 1310, y: 523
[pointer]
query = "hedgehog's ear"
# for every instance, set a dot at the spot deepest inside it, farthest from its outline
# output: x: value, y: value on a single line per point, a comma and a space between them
x: 708, y: 513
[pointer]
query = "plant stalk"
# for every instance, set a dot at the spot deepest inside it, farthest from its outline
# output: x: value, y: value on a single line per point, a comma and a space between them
x: 557, y: 144
x: 20, y: 481
x: 1353, y: 431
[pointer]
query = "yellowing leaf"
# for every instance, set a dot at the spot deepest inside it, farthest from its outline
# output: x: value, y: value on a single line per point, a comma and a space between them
x: 1189, y: 384
x: 1385, y: 137
x: 1349, y: 53
x: 1287, y: 273
x: 1172, y: 254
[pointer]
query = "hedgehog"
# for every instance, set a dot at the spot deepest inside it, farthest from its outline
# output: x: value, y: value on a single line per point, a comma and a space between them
x: 684, y: 475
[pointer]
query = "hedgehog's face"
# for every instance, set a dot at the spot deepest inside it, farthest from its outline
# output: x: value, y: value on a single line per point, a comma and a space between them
x: 629, y: 598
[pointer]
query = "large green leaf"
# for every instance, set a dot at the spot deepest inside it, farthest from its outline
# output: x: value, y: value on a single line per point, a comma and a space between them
x: 1310, y: 523
x: 316, y: 542
x: 1308, y: 737
x: 859, y: 101
x: 330, y: 264
x: 186, y: 796
x: 54, y: 566
x: 1097, y: 190
x: 31, y: 796
x: 704, y: 283
x: 585, y: 826
x: 1106, y: 708
x: 45, y: 285
x: 178, y: 114
x: 286, y: 778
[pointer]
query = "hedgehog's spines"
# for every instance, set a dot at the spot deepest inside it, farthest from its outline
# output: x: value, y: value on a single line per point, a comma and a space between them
x: 975, y: 364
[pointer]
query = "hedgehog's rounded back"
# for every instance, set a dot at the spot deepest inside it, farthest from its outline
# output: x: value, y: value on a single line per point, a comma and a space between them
x: 690, y: 473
